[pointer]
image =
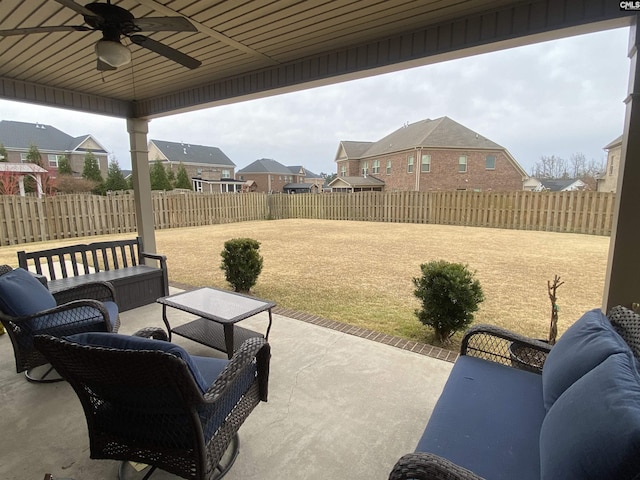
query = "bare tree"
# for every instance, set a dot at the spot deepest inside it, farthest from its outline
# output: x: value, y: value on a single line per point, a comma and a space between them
x: 550, y: 167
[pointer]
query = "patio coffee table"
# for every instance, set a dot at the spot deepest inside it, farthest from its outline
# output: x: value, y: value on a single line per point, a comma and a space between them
x: 218, y: 311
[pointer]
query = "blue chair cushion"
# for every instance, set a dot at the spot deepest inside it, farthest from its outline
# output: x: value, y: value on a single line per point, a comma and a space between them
x: 585, y: 344
x: 131, y: 342
x: 112, y: 310
x: 592, y: 431
x: 22, y: 294
x: 488, y: 420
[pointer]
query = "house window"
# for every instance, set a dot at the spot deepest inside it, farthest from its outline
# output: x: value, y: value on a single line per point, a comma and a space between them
x: 365, y: 169
x: 23, y: 157
x: 490, y: 162
x: 375, y: 166
x: 197, y: 185
x: 462, y: 164
x: 388, y: 167
x: 410, y: 164
x: 425, y: 165
x: 226, y: 173
x: 343, y: 171
x: 611, y: 166
x: 54, y: 159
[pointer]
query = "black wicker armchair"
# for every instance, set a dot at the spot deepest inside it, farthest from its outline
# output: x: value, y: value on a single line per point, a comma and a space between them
x: 27, y: 308
x: 149, y: 401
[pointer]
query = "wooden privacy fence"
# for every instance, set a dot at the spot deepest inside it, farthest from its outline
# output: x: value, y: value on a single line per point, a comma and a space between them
x: 28, y: 219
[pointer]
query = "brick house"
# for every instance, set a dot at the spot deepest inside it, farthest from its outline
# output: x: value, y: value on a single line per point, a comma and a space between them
x: 271, y: 176
x: 209, y: 169
x: 608, y: 181
x: 53, y: 144
x: 438, y: 154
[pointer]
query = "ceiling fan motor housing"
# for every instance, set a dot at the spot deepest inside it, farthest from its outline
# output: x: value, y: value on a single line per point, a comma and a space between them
x: 112, y: 20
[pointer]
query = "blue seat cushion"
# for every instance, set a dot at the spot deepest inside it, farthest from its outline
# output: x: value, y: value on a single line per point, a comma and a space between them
x: 130, y: 342
x: 21, y: 294
x: 112, y: 310
x: 488, y: 420
x: 592, y: 431
x: 585, y: 344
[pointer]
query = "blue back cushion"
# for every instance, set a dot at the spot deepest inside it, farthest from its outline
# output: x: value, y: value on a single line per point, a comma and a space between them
x: 585, y: 345
x: 131, y: 342
x: 593, y: 430
x: 22, y: 294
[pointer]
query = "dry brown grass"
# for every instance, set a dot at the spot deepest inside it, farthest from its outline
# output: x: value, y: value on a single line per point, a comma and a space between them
x: 360, y: 272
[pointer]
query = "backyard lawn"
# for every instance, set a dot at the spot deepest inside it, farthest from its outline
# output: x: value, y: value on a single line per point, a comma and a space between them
x: 361, y: 272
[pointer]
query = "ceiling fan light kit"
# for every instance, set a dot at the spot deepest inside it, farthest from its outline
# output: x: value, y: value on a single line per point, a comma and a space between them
x: 115, y: 23
x: 113, y: 53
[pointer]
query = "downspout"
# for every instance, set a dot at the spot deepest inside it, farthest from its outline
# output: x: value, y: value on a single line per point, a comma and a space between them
x: 418, y: 166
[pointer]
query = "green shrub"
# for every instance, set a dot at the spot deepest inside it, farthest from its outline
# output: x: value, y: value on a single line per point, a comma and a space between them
x: 449, y: 296
x: 241, y: 263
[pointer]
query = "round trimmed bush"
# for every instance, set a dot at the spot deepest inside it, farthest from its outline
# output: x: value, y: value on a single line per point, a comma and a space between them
x: 242, y: 263
x: 449, y: 294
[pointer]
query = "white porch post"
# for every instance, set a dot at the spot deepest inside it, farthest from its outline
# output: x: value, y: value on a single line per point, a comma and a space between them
x: 138, y: 129
x: 621, y: 284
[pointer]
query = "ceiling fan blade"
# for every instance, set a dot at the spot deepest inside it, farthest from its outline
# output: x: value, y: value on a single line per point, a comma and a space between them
x: 62, y: 28
x: 164, y: 24
x: 77, y: 7
x: 166, y: 51
x: 104, y: 66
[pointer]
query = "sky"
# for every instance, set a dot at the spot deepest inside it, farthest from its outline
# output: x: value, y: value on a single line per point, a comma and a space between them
x: 540, y: 100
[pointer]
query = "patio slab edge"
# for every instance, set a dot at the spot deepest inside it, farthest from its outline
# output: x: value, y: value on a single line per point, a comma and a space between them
x: 398, y: 342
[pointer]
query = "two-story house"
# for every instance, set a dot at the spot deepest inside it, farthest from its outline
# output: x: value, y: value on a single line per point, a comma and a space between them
x: 438, y: 154
x: 209, y: 169
x: 271, y: 176
x: 608, y: 181
x: 53, y: 144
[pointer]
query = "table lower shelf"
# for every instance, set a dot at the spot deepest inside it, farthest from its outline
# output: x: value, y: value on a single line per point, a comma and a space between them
x: 211, y: 334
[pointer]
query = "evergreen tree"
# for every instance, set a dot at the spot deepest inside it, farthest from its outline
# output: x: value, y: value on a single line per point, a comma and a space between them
x: 33, y: 156
x: 115, y: 178
x: 182, y: 178
x: 64, y: 166
x: 4, y: 156
x: 171, y: 176
x: 91, y: 171
x: 158, y: 174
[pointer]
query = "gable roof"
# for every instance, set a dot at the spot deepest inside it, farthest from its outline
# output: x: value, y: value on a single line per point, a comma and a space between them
x: 310, y: 174
x: 358, y: 181
x: 561, y: 184
x: 21, y: 135
x: 266, y: 165
x: 614, y: 143
x: 354, y: 149
x: 297, y: 170
x: 190, y: 153
x: 441, y: 132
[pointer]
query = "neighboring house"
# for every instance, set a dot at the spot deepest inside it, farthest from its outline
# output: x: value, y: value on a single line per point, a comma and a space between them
x: 271, y: 176
x: 209, y: 169
x: 53, y: 144
x: 428, y: 155
x: 314, y: 179
x: 554, y: 185
x: 608, y: 181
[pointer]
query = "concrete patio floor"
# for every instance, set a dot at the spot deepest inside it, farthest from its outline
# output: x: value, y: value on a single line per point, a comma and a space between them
x: 340, y: 407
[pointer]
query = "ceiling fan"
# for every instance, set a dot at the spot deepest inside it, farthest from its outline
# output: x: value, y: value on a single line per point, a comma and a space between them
x: 115, y: 23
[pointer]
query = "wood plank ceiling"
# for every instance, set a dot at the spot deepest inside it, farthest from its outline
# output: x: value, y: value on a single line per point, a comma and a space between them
x: 250, y: 47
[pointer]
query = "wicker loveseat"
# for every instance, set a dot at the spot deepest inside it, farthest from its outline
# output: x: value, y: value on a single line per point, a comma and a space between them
x: 577, y: 417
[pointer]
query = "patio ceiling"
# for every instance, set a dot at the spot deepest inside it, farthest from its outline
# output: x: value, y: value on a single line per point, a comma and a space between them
x: 250, y: 48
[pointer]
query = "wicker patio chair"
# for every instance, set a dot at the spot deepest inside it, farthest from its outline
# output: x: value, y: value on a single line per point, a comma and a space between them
x: 149, y: 401
x: 27, y: 308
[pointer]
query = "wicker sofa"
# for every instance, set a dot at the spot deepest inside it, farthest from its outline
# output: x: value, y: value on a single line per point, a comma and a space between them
x: 574, y: 415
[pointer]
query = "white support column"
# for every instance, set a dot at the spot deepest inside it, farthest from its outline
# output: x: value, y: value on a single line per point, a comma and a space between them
x: 138, y: 129
x: 621, y: 283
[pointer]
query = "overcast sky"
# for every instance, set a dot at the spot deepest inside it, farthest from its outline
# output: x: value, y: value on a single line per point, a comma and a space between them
x: 554, y: 98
